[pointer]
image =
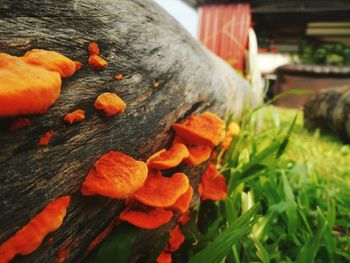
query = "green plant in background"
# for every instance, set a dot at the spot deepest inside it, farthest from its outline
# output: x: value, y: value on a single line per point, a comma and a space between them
x: 326, y: 54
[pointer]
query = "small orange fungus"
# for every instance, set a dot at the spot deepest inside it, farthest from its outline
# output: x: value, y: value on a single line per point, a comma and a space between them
x: 46, y: 138
x: 78, y: 65
x: 24, y: 88
x: 19, y: 124
x: 165, y: 159
x: 183, y: 219
x: 161, y: 191
x: 232, y: 130
x: 93, y: 49
x: 50, y: 60
x: 96, y: 62
x: 29, y: 238
x: 115, y: 175
x: 206, y: 129
x: 146, y: 217
x: 75, y: 116
x: 63, y: 253
x: 100, y: 237
x: 110, y: 104
x: 155, y: 84
x: 213, y: 185
x: 176, y: 239
x: 118, y: 76
x: 183, y: 203
x: 164, y: 257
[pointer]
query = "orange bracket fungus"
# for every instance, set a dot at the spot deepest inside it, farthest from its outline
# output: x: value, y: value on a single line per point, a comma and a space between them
x: 75, y: 116
x: 164, y: 257
x: 146, y: 217
x: 115, y: 175
x: 93, y: 49
x: 63, y: 253
x: 183, y: 203
x: 19, y: 124
x: 100, y: 237
x: 46, y: 138
x: 206, y: 129
x: 213, y: 185
x: 161, y: 191
x: 96, y: 62
x: 50, y: 60
x: 176, y: 239
x: 165, y: 159
x: 78, y: 65
x: 25, y: 88
x: 197, y: 153
x: 29, y: 238
x: 183, y: 219
x: 232, y: 130
x: 110, y: 104
x: 118, y: 76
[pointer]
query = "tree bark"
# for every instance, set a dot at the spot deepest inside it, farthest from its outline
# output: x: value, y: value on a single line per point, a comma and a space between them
x: 329, y: 111
x: 138, y: 39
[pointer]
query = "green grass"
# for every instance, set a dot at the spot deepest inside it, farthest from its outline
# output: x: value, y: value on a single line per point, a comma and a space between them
x: 325, y: 154
x: 288, y: 199
x: 300, y: 181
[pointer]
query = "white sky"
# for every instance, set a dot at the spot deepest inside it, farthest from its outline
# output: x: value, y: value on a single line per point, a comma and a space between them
x: 182, y: 12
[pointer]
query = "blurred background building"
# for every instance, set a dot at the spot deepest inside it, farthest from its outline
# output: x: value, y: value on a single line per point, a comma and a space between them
x: 301, y: 44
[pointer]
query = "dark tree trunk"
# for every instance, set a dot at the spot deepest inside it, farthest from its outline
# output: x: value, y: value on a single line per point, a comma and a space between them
x: 329, y: 110
x: 140, y: 40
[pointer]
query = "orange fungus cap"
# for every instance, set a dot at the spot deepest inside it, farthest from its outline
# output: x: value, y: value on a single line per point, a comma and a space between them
x: 164, y: 257
x: 183, y: 203
x: 197, y: 153
x: 165, y: 159
x: 100, y: 237
x: 232, y: 130
x: 46, y: 138
x: 75, y: 116
x: 96, y: 62
x: 213, y: 185
x: 161, y: 191
x: 183, y: 219
x: 146, y: 217
x: 78, y: 65
x: 24, y: 88
x: 118, y: 76
x: 50, y: 60
x: 115, y: 175
x: 176, y: 239
x: 93, y: 49
x: 110, y: 104
x: 206, y: 129
x: 29, y: 238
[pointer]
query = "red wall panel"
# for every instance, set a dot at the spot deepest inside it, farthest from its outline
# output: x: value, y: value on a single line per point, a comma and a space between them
x: 223, y: 28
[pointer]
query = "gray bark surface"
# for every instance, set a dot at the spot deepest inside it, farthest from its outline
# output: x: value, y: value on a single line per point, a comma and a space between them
x: 329, y: 110
x: 138, y: 39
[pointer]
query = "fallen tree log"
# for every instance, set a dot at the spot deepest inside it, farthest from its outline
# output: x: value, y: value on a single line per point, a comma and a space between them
x: 138, y: 39
x: 329, y: 110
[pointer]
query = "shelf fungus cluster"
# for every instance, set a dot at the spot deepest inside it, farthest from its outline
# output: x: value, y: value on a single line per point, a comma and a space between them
x: 28, y: 238
x: 32, y: 83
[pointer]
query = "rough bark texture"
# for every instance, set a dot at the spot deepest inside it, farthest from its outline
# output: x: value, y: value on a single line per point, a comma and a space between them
x: 140, y: 40
x: 329, y: 110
